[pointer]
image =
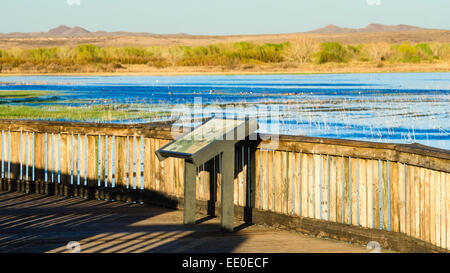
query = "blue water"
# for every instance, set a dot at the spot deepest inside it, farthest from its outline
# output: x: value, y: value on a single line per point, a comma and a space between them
x: 391, y: 107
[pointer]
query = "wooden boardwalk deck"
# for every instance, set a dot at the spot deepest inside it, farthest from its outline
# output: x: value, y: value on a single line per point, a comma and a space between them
x: 36, y: 223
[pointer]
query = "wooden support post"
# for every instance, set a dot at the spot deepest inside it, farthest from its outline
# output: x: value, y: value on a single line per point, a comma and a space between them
x: 227, y: 201
x: 190, y: 175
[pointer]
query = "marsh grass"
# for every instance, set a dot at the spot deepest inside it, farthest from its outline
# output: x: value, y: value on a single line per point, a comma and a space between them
x: 19, y: 94
x: 98, y: 113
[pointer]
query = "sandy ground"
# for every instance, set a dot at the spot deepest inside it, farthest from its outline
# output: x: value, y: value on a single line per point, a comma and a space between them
x: 142, y: 70
x: 192, y: 40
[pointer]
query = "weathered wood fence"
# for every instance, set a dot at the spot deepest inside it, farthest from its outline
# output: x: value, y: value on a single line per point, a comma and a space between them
x: 400, y: 189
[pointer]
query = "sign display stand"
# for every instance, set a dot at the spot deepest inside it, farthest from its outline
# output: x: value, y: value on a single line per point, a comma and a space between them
x: 214, y: 137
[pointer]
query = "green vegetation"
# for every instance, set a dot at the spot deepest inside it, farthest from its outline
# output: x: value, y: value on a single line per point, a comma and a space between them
x: 331, y: 52
x: 92, y: 58
x: 71, y: 113
x: 25, y: 94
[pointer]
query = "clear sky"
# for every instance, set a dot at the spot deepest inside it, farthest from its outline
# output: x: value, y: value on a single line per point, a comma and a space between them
x: 218, y: 16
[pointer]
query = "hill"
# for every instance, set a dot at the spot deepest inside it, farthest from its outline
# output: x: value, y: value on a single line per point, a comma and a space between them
x: 371, y: 28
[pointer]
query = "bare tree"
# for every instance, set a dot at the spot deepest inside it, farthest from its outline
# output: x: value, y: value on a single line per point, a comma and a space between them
x: 173, y: 54
x: 301, y: 50
x: 379, y: 51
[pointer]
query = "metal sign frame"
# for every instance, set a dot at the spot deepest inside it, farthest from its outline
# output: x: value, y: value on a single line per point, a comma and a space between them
x: 224, y: 146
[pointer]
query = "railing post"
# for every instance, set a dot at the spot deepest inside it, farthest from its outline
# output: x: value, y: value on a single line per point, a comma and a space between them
x: 227, y: 185
x: 190, y: 174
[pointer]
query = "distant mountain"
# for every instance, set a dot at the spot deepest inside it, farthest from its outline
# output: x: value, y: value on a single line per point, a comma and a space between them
x: 67, y: 31
x: 330, y: 29
x: 76, y: 31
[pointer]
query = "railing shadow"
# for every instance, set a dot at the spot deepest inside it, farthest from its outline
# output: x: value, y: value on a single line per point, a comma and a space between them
x: 42, y: 216
x: 105, y: 228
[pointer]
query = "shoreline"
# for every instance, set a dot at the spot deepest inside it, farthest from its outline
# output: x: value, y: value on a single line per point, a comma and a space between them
x: 221, y: 73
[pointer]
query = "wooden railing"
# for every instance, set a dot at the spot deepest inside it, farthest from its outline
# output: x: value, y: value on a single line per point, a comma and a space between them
x: 399, y: 189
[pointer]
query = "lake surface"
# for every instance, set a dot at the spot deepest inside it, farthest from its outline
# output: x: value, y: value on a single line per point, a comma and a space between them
x: 391, y: 107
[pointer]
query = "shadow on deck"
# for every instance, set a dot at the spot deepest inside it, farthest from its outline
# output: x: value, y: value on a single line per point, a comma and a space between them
x: 36, y: 223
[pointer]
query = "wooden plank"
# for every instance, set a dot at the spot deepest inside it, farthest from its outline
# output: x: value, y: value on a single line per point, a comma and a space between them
x: 376, y: 194
x: 15, y: 155
x: 289, y: 182
x: 317, y: 185
x: 271, y: 180
x: 370, y: 182
x: 181, y: 162
x: 82, y: 152
x: 130, y: 183
x: 422, y: 202
x: 197, y: 184
x: 218, y: 177
x: 311, y: 181
x: 239, y: 178
x: 333, y: 188
x: 443, y: 210
x: 92, y: 161
x: 362, y: 193
x: 75, y: 159
x: 258, y: 176
x: 147, y: 164
x: 296, y: 184
x: 437, y: 203
x: 110, y: 162
x: 6, y: 153
x: 39, y: 156
x: 447, y: 191
x: 118, y: 161
x: 179, y: 177
x: 207, y: 183
x: 304, y: 184
x: 339, y: 188
x: 401, y: 197
x: 433, y: 198
x: 102, y: 158
x: 264, y: 180
x: 427, y: 220
x: 49, y: 158
x: 199, y: 180
x: 417, y: 191
x: 279, y: 172
x: 247, y: 180
x: 324, y: 188
x: 30, y: 164
x: 354, y: 191
x: 158, y: 166
x: 394, y: 196
x: 282, y: 185
x: 163, y: 170
x: 139, y: 163
x: 409, y: 182
x: 347, y: 196
x: 23, y: 157
x: 123, y: 161
x: 384, y: 196
x: 69, y: 156
x: 63, y: 159
x: 168, y: 177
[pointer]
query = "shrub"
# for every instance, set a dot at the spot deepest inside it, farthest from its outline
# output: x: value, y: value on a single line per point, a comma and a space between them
x: 331, y: 52
x: 424, y: 51
x: 406, y: 53
x: 87, y: 53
